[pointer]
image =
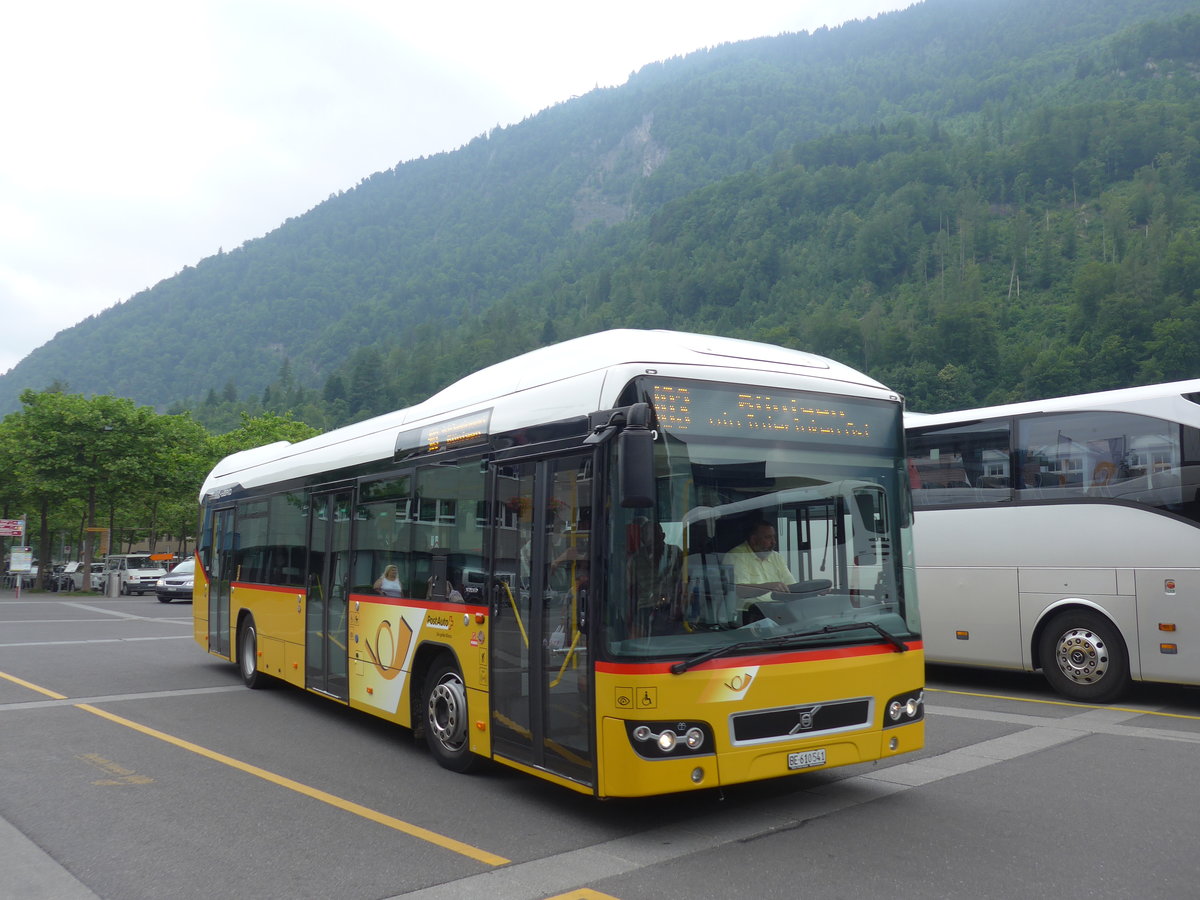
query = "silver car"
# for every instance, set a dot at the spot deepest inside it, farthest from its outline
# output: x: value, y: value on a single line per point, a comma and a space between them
x: 177, y: 584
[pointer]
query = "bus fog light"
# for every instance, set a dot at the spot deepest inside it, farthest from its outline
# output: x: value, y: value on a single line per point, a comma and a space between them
x: 663, y: 740
x: 905, y: 708
x: 894, y: 743
x: 697, y: 775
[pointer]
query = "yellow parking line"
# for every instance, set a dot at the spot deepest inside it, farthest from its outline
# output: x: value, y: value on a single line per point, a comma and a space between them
x: 33, y: 687
x: 357, y: 809
x: 1067, y: 703
x: 315, y: 793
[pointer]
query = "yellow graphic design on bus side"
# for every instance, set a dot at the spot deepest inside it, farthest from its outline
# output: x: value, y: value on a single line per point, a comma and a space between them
x: 382, y: 642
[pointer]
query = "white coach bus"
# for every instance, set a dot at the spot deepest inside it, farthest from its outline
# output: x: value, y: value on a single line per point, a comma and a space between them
x: 1063, y: 535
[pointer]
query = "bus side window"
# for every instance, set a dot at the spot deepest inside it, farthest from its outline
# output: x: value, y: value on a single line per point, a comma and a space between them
x: 961, y: 464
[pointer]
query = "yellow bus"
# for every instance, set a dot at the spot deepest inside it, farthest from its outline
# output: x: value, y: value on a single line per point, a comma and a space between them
x: 546, y: 565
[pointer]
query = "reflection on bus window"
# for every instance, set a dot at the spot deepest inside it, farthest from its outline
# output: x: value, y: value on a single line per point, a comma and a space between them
x: 750, y: 538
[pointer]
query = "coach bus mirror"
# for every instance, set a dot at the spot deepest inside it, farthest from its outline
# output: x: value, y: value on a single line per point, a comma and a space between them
x: 635, y: 459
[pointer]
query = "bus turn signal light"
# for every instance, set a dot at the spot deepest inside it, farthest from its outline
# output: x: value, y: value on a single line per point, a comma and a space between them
x: 1169, y: 649
x: 1166, y: 626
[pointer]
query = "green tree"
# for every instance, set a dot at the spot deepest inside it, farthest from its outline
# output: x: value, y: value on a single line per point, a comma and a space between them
x: 68, y: 446
x: 258, y: 431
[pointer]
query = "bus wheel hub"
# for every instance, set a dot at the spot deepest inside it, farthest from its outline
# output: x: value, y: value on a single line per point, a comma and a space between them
x: 1082, y: 656
x: 447, y: 712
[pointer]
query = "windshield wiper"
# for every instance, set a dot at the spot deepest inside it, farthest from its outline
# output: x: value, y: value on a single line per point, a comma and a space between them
x: 900, y: 646
x: 680, y: 667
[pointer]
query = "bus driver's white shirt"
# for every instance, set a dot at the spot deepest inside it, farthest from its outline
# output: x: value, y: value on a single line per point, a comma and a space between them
x: 750, y: 568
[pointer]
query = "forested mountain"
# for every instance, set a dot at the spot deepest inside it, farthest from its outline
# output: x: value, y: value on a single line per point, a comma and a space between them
x: 971, y: 200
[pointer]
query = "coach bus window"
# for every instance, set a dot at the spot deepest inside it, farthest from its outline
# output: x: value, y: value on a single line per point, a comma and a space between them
x: 1101, y: 454
x: 960, y: 464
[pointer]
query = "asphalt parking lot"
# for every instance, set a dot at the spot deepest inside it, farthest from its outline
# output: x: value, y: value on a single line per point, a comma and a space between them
x: 135, y: 765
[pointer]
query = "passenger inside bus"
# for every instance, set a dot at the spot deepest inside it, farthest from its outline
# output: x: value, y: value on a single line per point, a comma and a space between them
x: 388, y: 583
x: 654, y: 570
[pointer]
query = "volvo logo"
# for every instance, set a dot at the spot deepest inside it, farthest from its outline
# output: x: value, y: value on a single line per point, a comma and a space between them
x: 806, y: 719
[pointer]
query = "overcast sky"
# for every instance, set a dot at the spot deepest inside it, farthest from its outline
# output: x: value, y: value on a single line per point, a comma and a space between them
x: 141, y: 137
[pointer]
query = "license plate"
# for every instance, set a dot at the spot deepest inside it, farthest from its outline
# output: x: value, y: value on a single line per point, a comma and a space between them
x: 806, y: 759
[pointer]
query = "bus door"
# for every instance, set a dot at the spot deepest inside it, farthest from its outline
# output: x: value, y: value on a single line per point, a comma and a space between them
x: 224, y: 541
x: 542, y: 547
x: 327, y: 584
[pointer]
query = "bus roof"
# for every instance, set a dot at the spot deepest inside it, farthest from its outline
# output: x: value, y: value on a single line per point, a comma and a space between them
x: 1167, y: 401
x: 572, y: 378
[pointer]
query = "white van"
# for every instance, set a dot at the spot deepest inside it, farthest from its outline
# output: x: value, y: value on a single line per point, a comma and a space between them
x: 138, y: 573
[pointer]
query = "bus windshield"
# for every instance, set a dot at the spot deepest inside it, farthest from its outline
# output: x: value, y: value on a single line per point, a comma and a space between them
x: 776, y: 515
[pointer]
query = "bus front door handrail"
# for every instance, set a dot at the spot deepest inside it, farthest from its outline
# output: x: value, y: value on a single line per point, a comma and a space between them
x: 567, y: 659
x: 512, y: 601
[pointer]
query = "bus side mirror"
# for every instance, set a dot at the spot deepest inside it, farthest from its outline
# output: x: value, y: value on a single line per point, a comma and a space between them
x: 635, y: 459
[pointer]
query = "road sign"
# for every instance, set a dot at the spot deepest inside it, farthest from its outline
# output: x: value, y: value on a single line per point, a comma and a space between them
x: 12, y: 527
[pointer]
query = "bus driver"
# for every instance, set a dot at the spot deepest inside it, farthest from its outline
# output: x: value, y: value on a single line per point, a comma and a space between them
x: 758, y: 568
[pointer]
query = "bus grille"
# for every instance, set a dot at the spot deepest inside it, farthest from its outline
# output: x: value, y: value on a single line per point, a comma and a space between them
x: 799, y: 721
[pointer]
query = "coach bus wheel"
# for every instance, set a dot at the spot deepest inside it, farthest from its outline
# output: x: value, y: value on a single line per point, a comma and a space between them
x: 446, y: 718
x: 1083, y: 657
x: 247, y: 654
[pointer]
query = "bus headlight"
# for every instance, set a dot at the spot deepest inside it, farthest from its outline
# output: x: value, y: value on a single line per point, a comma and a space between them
x: 665, y: 740
x: 905, y: 708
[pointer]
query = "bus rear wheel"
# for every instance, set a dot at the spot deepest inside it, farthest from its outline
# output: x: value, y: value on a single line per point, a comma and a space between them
x: 445, y: 712
x: 1084, y: 658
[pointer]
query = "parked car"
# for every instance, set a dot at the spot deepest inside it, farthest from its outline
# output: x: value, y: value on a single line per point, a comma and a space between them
x: 97, y: 576
x: 138, y: 573
x: 56, y: 579
x: 177, y: 584
x: 67, y: 577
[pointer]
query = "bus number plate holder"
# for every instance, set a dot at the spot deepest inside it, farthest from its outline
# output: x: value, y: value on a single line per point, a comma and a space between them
x: 806, y: 759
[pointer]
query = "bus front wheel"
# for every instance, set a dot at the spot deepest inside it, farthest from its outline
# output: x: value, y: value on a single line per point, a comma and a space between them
x: 1084, y: 658
x: 446, y: 723
x: 247, y: 654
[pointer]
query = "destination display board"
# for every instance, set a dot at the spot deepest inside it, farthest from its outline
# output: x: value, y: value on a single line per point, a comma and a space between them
x: 684, y: 408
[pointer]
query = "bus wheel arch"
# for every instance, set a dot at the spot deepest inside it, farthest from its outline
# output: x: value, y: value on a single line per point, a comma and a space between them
x: 246, y: 652
x: 444, y: 715
x: 1082, y: 654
